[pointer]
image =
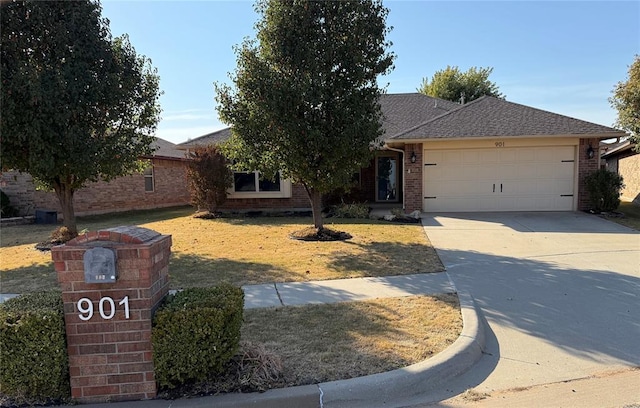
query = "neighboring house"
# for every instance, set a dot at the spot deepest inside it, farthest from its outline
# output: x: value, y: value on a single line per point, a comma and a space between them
x: 163, y: 184
x: 486, y: 155
x: 621, y: 158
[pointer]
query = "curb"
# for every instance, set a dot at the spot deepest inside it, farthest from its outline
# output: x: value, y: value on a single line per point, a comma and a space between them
x: 398, y: 388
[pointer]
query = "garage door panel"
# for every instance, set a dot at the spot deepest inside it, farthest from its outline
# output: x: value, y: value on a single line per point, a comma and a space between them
x: 506, y: 179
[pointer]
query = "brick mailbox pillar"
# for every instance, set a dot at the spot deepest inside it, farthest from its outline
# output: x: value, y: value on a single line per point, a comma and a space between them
x: 112, y: 281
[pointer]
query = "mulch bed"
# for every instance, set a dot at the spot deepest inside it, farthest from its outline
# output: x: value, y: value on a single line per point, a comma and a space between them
x: 319, y: 234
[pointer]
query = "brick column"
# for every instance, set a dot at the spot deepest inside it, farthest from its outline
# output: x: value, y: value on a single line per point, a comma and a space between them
x: 586, y: 166
x: 108, y: 325
x: 413, y: 178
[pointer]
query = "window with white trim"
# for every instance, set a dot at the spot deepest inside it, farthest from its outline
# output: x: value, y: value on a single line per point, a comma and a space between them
x: 149, y: 180
x: 252, y: 185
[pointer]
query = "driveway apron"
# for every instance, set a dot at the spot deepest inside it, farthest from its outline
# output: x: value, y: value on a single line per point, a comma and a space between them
x: 560, y: 291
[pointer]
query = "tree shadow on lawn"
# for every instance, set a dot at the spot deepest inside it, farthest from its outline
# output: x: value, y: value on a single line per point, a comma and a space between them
x: 319, y: 343
x: 32, y: 278
x: 187, y: 271
x: 388, y: 258
x: 591, y: 314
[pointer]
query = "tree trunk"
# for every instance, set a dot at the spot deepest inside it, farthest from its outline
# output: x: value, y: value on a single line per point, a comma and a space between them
x: 316, y: 207
x: 65, y: 197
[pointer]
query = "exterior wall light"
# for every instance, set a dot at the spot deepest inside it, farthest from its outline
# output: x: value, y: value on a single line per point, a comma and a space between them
x: 590, y: 152
x: 413, y: 157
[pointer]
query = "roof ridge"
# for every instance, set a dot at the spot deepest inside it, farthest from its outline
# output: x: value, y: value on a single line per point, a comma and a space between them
x: 453, y: 110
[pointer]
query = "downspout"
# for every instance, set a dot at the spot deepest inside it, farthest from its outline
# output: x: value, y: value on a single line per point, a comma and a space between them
x: 387, y: 147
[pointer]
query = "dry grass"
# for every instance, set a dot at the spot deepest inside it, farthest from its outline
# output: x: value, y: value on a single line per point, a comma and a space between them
x: 631, y: 217
x: 318, y: 343
x: 240, y: 251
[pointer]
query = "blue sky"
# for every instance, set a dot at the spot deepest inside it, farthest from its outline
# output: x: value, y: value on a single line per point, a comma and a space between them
x: 565, y: 57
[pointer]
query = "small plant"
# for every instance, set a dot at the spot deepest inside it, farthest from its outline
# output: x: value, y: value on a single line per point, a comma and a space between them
x: 7, y: 210
x: 258, y: 368
x: 195, y: 333
x: 61, y: 235
x: 353, y: 210
x: 33, y: 349
x: 604, y: 188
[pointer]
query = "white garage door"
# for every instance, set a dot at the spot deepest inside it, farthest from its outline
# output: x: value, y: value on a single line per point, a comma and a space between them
x: 501, y: 179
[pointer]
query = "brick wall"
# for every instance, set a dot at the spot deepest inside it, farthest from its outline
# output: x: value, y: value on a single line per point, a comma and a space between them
x: 297, y: 201
x: 629, y: 169
x: 111, y: 359
x: 413, y: 178
x: 121, y: 194
x: 19, y: 187
x: 586, y: 166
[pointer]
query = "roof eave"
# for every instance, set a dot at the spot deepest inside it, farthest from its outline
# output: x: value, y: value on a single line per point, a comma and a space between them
x: 601, y: 136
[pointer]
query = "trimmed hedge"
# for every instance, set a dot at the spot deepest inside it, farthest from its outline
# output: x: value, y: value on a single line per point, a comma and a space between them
x: 195, y: 333
x: 33, y: 348
x: 604, y: 187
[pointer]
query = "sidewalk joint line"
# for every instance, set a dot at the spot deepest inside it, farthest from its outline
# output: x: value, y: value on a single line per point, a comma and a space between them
x: 275, y: 286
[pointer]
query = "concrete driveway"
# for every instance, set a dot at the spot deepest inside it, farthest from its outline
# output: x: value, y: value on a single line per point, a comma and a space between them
x: 560, y: 292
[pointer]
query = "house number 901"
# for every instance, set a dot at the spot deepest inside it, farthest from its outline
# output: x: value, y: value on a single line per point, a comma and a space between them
x: 85, y: 307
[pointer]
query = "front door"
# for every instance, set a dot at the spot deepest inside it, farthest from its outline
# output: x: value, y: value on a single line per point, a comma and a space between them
x: 387, y: 188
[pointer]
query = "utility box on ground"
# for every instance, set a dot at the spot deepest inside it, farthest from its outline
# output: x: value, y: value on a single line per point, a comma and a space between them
x: 46, y: 217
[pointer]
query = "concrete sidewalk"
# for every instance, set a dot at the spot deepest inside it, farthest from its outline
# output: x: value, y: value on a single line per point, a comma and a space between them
x: 345, y: 290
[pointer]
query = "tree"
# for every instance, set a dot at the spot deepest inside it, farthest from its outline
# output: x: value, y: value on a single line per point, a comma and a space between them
x: 306, y: 98
x: 626, y: 100
x: 454, y: 85
x: 209, y: 177
x: 77, y: 104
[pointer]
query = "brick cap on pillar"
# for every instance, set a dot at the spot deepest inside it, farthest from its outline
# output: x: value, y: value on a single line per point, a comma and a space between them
x: 127, y: 234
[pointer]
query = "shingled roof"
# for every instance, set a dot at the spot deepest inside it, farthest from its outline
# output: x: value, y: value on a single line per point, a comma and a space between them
x: 216, y: 137
x: 404, y: 111
x: 414, y: 116
x: 489, y: 116
x: 165, y: 149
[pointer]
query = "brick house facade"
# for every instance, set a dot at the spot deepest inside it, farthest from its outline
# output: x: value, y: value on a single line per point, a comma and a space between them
x: 163, y: 184
x: 526, y: 159
x: 624, y: 160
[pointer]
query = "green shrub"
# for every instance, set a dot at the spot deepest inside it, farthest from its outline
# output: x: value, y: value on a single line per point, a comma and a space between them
x: 195, y: 333
x: 353, y: 210
x: 33, y: 348
x: 604, y: 188
x: 6, y: 210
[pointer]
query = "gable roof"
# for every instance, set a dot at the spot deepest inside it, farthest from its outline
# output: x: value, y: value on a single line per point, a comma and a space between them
x: 618, y: 148
x: 492, y: 117
x: 166, y: 150
x: 401, y: 112
x: 415, y: 116
x: 216, y: 137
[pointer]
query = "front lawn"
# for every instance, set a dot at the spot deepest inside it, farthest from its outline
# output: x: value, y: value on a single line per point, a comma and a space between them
x: 631, y: 217
x: 239, y: 250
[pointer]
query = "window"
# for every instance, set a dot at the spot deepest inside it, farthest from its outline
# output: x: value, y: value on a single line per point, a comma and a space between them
x: 148, y: 179
x: 251, y: 185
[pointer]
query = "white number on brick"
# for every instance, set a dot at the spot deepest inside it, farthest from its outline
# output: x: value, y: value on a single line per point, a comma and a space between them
x: 86, y: 313
x: 112, y: 308
x: 85, y: 307
x: 125, y: 302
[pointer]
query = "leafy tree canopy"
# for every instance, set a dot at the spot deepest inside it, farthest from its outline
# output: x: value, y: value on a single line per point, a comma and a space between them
x: 626, y: 100
x: 305, y: 95
x: 77, y: 104
x: 453, y: 85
